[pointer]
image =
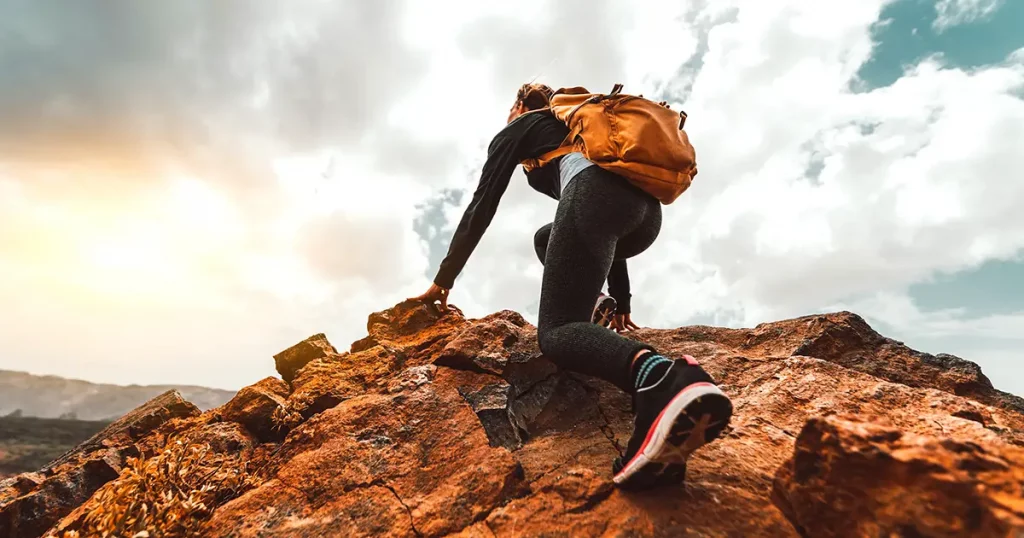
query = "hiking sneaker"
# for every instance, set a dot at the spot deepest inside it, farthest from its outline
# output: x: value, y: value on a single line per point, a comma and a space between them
x: 674, y: 417
x: 604, y: 310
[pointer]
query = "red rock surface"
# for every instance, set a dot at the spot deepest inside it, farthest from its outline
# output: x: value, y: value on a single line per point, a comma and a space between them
x: 438, y: 425
x: 856, y: 479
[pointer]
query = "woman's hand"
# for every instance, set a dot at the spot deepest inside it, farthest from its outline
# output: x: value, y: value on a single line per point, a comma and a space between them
x: 623, y: 323
x: 434, y: 293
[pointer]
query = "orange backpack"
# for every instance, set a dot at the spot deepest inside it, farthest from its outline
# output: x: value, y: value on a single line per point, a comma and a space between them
x: 638, y: 139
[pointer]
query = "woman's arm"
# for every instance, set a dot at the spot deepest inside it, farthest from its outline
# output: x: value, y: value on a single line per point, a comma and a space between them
x: 494, y: 179
x: 618, y: 286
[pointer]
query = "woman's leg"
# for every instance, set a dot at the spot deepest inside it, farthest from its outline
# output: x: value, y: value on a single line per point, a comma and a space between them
x: 595, y: 211
x: 678, y: 407
x: 603, y: 310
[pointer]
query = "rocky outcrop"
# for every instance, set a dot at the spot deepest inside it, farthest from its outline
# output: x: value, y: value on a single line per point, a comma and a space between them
x: 846, y: 339
x: 438, y: 425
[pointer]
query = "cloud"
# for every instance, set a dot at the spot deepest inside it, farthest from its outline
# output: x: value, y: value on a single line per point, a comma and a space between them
x: 109, y: 110
x: 811, y: 191
x: 574, y: 40
x: 951, y: 13
x: 288, y: 171
x: 189, y: 84
x: 898, y: 310
x: 339, y: 245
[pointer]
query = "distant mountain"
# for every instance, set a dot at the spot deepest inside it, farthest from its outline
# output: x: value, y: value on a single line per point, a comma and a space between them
x: 24, y: 394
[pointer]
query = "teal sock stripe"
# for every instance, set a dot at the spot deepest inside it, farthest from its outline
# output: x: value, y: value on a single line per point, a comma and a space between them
x: 649, y: 363
x: 648, y: 368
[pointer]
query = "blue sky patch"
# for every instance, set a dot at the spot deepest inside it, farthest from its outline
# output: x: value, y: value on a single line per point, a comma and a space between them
x: 996, y: 287
x: 905, y: 35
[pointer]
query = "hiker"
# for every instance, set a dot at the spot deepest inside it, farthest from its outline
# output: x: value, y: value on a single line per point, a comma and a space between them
x: 601, y: 220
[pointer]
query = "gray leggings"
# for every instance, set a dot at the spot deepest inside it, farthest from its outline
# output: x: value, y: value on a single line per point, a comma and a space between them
x: 600, y: 217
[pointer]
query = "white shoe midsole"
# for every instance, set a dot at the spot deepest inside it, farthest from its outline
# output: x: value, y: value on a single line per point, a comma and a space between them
x: 654, y: 447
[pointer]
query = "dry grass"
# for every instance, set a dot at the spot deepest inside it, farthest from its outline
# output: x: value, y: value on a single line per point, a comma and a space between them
x: 168, y: 495
x: 285, y: 418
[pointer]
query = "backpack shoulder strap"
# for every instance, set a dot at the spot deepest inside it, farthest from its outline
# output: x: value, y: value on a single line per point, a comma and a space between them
x: 564, y: 149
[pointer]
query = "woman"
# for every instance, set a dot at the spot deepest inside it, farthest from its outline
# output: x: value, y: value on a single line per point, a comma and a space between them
x: 601, y: 220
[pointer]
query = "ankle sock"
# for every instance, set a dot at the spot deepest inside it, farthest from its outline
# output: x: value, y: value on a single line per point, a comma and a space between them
x: 649, y: 370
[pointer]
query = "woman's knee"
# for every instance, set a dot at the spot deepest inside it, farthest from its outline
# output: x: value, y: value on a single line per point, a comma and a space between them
x: 548, y: 340
x: 544, y: 340
x: 540, y: 241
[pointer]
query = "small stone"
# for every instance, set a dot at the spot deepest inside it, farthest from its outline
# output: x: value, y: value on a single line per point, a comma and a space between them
x: 291, y: 360
x: 254, y: 407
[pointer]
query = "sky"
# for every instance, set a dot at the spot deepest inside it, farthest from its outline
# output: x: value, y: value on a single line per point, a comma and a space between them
x: 187, y: 188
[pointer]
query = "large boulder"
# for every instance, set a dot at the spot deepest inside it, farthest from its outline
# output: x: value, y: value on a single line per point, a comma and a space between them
x: 859, y: 479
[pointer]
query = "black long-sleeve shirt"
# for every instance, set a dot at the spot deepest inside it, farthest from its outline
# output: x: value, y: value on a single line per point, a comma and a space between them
x: 528, y: 136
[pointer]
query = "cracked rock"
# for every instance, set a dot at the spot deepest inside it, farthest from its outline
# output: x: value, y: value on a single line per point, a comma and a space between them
x: 491, y: 405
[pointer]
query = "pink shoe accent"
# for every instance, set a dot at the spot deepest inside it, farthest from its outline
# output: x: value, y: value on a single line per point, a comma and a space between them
x: 682, y: 395
x: 690, y: 360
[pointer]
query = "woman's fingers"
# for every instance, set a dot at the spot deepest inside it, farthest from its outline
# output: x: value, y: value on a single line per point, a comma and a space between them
x: 433, y: 293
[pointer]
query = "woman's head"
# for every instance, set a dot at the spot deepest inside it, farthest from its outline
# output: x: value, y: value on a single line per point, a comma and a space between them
x: 530, y: 96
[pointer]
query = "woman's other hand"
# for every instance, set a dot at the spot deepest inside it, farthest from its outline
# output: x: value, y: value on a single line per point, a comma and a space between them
x: 623, y: 323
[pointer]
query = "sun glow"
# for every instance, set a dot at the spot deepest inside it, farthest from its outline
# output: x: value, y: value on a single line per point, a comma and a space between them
x: 167, y: 247
x: 130, y: 264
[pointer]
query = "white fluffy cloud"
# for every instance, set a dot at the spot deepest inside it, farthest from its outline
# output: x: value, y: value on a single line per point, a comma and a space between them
x: 953, y: 12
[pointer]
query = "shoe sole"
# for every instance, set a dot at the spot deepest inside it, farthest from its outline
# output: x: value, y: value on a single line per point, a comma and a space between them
x: 693, y: 418
x: 604, y: 311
